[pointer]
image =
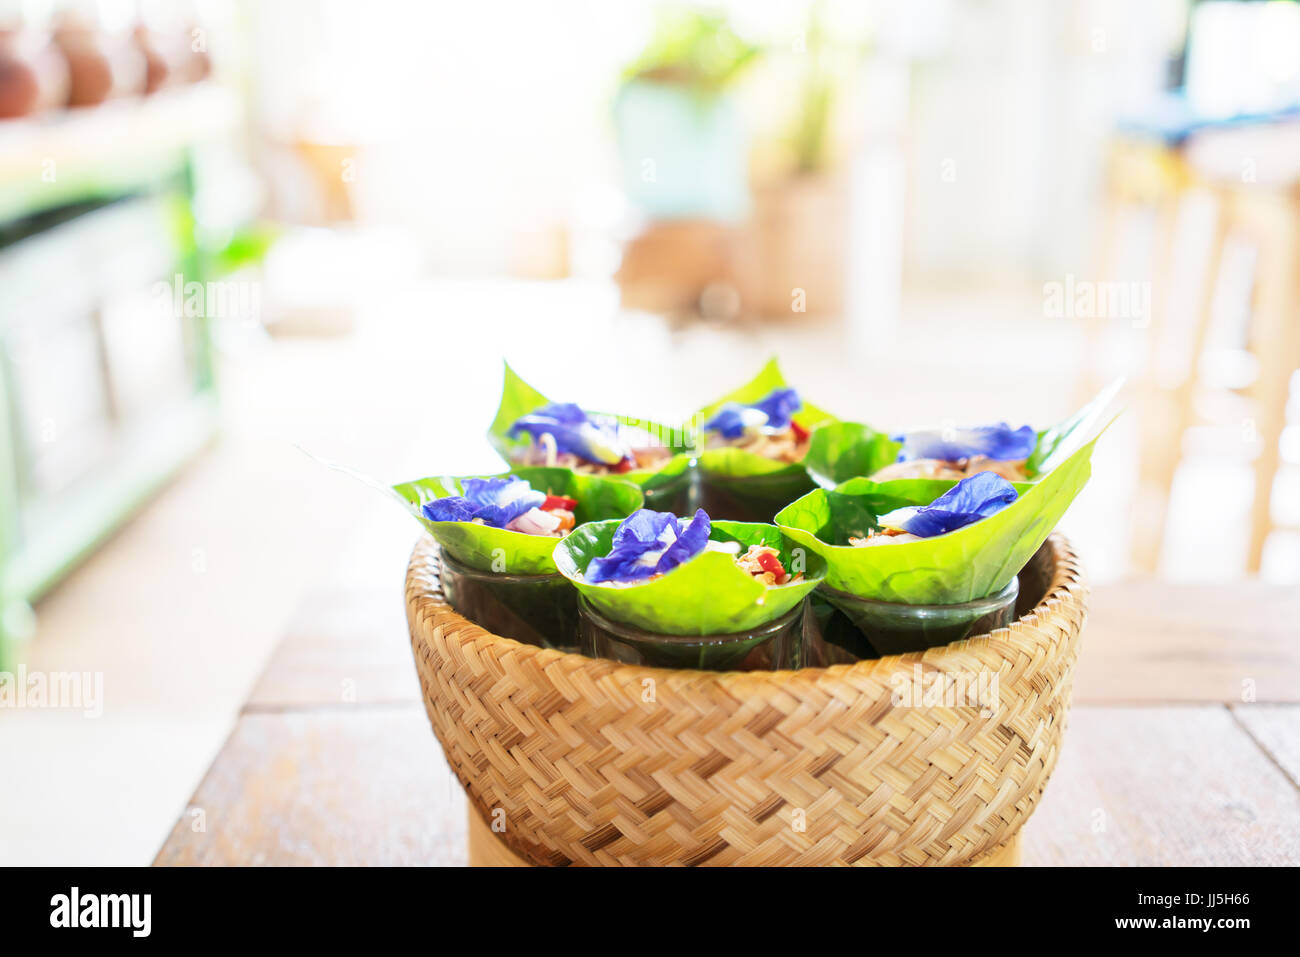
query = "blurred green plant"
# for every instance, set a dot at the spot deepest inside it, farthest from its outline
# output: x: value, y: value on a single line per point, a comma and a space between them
x: 247, y: 247
x: 694, y: 49
x: 831, y: 57
x: 810, y: 137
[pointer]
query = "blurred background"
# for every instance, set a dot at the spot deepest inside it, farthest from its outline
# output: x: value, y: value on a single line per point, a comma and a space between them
x: 234, y: 232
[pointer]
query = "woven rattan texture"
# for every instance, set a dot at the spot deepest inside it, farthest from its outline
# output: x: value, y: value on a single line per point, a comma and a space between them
x: 593, y: 762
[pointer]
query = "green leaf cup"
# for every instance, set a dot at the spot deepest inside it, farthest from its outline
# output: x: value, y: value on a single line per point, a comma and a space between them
x: 1062, y: 440
x: 960, y: 566
x: 503, y: 551
x: 668, y: 488
x: 506, y: 581
x: 707, y: 595
x: 840, y: 451
x: 741, y: 485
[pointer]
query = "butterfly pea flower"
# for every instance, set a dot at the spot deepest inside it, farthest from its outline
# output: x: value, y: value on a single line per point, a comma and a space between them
x: 650, y: 543
x: 574, y: 431
x: 999, y: 442
x: 965, y: 503
x: 772, y: 413
x: 492, y: 501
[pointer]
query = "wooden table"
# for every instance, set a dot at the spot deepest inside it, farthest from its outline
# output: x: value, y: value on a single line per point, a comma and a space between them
x: 1183, y: 745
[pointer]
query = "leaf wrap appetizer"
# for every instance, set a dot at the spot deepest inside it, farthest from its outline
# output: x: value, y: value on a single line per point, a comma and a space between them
x: 531, y: 430
x: 960, y: 453
x: 482, y: 540
x: 693, y: 577
x: 847, y: 450
x: 975, y: 560
x: 751, y: 446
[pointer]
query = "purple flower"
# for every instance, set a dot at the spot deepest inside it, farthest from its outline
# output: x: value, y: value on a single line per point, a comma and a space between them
x: 574, y: 431
x: 772, y: 413
x: 650, y: 543
x: 971, y: 499
x: 493, y: 501
x: 998, y: 442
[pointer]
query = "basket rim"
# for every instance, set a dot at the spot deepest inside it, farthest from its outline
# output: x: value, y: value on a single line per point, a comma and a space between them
x: 1066, y: 579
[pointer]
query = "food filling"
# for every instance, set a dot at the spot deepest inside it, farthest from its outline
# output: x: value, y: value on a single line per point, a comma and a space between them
x: 764, y: 563
x: 1012, y: 471
x: 509, y: 503
x: 970, y: 500
x: 766, y: 428
x: 565, y: 436
x: 962, y: 453
x: 649, y: 544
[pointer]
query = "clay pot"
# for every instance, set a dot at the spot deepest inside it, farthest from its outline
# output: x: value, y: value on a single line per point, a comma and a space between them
x: 33, y: 75
x: 100, y: 67
x: 800, y: 234
x: 158, y: 60
x: 20, y: 86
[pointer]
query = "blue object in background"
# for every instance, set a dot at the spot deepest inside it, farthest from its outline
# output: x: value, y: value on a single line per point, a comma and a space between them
x: 682, y: 155
x: 1171, y: 118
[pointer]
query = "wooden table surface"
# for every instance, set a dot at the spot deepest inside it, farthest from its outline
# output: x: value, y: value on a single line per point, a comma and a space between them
x: 1183, y: 745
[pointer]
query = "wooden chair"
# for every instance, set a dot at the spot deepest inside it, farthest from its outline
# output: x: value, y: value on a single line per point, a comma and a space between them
x: 1253, y: 178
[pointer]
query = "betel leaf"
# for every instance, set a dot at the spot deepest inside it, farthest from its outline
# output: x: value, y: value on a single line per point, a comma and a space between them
x: 518, y: 398
x: 758, y: 388
x: 960, y: 566
x: 707, y: 595
x: 844, y: 450
x: 507, y: 552
x: 839, y: 451
x: 1061, y: 440
x: 741, y: 483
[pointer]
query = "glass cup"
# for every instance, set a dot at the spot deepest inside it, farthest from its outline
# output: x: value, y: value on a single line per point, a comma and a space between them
x: 751, y: 498
x: 829, y: 638
x: 677, y: 494
x: 848, y: 628
x: 770, y: 647
x: 534, y: 609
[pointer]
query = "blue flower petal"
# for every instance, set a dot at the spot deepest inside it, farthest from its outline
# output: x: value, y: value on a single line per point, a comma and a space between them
x: 998, y: 442
x: 779, y: 406
x: 642, y: 532
x: 453, y: 508
x: 690, y: 542
x: 645, y: 526
x: 574, y: 431
x: 971, y: 499
x: 569, y: 413
x: 733, y: 420
x: 493, y: 501
x: 728, y: 421
x: 773, y: 412
x: 501, y: 500
x: 625, y: 563
x: 648, y: 543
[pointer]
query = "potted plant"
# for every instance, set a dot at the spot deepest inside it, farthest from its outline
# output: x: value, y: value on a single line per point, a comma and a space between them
x: 683, y: 149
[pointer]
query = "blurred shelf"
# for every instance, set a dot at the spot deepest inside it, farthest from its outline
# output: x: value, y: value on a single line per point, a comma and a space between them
x: 104, y: 391
x: 108, y: 150
x: 77, y: 519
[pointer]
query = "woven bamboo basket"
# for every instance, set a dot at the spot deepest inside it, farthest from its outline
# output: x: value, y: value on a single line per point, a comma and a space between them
x: 573, y: 760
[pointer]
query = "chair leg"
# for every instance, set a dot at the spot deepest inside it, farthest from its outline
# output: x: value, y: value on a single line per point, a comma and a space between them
x: 1178, y: 408
x: 1161, y: 445
x: 1275, y: 342
x: 1097, y: 328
